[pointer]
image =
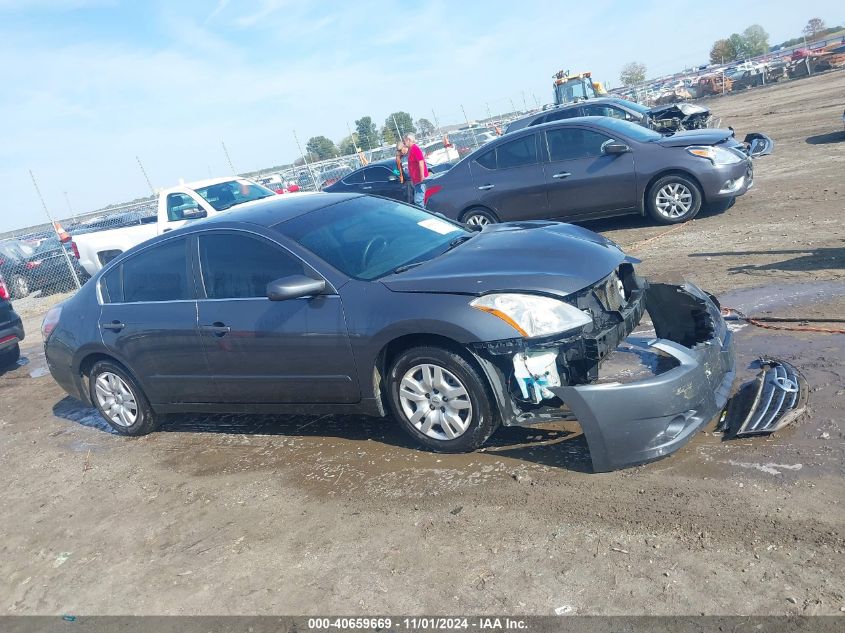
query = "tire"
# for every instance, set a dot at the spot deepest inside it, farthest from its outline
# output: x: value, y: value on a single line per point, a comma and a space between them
x: 479, y: 217
x: 468, y: 423
x: 673, y: 199
x: 10, y: 356
x: 18, y: 286
x: 116, y: 382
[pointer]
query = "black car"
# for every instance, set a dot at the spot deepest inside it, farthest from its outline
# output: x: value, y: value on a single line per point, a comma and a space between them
x: 46, y: 268
x: 664, y: 119
x: 593, y: 167
x: 11, y: 329
x: 349, y: 303
x: 381, y: 179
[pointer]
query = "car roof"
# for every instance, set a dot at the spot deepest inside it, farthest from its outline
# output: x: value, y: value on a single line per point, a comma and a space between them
x: 277, y: 209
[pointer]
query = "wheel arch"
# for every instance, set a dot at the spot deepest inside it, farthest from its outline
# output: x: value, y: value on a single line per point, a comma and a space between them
x: 396, y: 346
x: 482, y: 207
x: 674, y: 171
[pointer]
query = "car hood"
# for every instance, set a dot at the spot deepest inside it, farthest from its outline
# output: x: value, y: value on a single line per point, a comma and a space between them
x: 686, y: 138
x: 542, y: 257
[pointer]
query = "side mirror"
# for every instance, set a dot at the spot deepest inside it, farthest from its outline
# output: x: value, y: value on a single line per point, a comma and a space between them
x: 614, y: 147
x: 294, y: 287
x: 194, y: 214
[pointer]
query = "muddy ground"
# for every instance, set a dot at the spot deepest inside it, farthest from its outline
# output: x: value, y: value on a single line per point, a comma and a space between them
x: 301, y: 515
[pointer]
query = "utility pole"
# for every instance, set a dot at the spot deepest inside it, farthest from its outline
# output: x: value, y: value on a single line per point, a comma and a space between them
x: 396, y: 125
x: 69, y: 208
x: 436, y: 122
x: 466, y: 118
x: 305, y: 160
x: 229, y: 160
x: 146, y: 177
x: 55, y: 230
x: 524, y: 103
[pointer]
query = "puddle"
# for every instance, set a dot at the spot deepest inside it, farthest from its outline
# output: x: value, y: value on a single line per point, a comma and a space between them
x: 755, y: 300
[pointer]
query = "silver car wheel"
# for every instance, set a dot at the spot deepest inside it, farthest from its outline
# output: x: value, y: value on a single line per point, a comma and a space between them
x: 476, y: 219
x: 435, y: 402
x: 673, y: 200
x: 20, y: 286
x: 116, y: 399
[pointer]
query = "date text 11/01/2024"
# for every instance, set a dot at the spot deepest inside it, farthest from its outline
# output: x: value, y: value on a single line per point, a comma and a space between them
x: 418, y: 624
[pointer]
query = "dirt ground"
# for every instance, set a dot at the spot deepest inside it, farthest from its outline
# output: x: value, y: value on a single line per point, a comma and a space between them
x: 302, y: 515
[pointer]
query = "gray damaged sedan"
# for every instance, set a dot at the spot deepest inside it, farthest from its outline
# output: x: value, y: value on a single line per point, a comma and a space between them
x: 594, y: 167
x: 325, y: 303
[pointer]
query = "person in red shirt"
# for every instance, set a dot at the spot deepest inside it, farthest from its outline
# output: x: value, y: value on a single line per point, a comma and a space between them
x: 417, y: 169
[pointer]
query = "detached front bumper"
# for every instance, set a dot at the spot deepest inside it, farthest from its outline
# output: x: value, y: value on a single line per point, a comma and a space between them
x: 631, y: 423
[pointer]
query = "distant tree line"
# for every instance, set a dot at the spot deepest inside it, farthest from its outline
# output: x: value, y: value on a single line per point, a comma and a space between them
x: 367, y: 136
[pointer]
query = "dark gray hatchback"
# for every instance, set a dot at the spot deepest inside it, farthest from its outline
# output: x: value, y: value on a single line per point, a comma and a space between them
x: 592, y: 167
x: 341, y: 303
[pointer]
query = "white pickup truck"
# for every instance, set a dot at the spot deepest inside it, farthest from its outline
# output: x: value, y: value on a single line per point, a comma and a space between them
x: 176, y: 207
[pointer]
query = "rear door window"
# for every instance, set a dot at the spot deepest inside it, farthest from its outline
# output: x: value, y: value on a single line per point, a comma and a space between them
x: 112, y: 286
x: 517, y: 153
x: 355, y: 178
x: 559, y: 115
x: 159, y: 273
x: 239, y: 266
x: 377, y: 174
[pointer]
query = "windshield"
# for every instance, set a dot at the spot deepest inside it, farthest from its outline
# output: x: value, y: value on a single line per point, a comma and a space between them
x: 632, y: 105
x: 631, y: 130
x: 367, y: 238
x: 227, y: 194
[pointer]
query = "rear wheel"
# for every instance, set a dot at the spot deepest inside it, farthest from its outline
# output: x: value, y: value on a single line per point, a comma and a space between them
x: 10, y: 356
x: 441, y: 400
x: 19, y: 286
x: 120, y: 400
x: 673, y: 199
x: 479, y: 217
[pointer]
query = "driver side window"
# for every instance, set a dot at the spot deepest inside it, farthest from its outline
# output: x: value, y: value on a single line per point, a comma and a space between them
x: 178, y: 204
x: 238, y: 266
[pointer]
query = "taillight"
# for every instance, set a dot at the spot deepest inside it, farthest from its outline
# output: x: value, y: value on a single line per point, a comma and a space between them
x: 4, y: 291
x: 31, y: 265
x: 50, y: 321
x: 430, y: 191
x: 74, y: 249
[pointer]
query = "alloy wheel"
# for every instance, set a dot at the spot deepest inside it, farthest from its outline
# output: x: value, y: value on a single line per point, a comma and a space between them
x: 435, y: 401
x: 20, y: 286
x: 116, y: 399
x: 673, y: 200
x: 476, y: 219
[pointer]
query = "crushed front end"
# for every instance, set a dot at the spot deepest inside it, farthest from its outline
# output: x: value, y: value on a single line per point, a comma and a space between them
x: 625, y: 423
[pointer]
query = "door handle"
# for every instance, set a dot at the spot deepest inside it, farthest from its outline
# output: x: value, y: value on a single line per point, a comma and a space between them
x: 485, y: 187
x: 216, y: 328
x: 563, y: 174
x: 166, y: 230
x: 115, y: 326
x: 366, y: 187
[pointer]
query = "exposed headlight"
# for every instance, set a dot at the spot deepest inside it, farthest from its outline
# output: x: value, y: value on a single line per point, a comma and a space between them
x: 532, y: 315
x: 716, y: 155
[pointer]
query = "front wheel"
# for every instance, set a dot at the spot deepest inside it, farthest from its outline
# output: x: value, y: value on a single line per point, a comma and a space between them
x: 673, y: 199
x: 441, y: 400
x: 479, y: 218
x: 120, y: 400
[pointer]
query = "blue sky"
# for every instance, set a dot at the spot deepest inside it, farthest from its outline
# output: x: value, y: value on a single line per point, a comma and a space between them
x: 90, y: 84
